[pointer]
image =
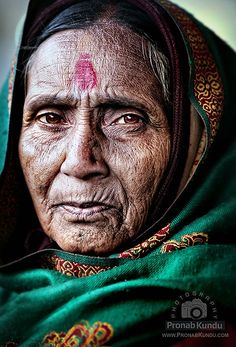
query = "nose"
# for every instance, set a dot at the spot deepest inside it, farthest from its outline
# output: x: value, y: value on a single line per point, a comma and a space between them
x: 83, y: 156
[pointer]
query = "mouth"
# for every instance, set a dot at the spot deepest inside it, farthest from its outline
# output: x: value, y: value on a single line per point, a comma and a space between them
x: 84, y: 212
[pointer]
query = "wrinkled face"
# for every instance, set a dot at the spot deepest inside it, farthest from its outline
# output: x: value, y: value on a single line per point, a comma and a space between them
x: 94, y: 142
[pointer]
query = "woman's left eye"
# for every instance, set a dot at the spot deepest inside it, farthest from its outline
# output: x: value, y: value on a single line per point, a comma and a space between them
x: 130, y: 119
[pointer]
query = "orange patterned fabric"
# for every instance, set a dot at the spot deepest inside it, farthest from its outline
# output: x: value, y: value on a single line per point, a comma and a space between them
x: 70, y: 268
x: 208, y: 86
x: 145, y: 247
x: 186, y: 241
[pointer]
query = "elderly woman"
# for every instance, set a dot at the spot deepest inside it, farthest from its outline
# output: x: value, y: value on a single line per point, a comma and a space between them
x: 120, y: 158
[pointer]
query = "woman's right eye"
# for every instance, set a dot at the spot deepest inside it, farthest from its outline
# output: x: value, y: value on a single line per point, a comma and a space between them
x: 51, y: 118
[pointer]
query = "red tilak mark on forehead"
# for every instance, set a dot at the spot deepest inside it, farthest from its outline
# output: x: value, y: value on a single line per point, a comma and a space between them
x: 85, y: 75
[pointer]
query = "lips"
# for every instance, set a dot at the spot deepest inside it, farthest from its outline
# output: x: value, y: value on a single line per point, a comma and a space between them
x: 87, y: 211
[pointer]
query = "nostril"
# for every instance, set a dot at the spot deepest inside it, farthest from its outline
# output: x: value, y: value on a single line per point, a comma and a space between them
x: 99, y: 172
x: 83, y: 157
x: 84, y: 167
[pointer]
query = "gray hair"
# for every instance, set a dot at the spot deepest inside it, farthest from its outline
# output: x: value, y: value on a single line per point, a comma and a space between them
x: 160, y: 67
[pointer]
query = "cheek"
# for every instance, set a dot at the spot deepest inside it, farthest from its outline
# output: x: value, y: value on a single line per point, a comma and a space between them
x: 140, y: 164
x: 40, y: 161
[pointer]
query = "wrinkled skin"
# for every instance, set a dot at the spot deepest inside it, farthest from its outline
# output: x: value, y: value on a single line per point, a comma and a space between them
x: 93, y: 148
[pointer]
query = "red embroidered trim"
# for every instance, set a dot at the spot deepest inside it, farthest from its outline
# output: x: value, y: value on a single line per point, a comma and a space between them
x: 186, y: 241
x: 147, y: 246
x: 208, y: 86
x: 81, y: 335
x: 70, y: 268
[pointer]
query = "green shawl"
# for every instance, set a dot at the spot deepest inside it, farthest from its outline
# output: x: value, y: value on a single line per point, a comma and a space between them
x: 53, y: 298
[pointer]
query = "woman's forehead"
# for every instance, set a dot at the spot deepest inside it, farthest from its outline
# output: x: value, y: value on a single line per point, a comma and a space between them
x: 100, y: 43
x: 89, y: 59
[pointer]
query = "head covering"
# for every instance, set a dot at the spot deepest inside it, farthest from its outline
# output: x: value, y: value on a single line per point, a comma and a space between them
x: 130, y: 297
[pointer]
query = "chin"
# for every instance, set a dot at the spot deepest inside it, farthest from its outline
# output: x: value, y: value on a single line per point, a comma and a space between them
x: 97, y: 242
x: 87, y: 249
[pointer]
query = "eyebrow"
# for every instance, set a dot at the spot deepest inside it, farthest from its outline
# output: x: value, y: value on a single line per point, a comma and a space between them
x: 69, y: 101
x: 49, y: 100
x: 118, y: 103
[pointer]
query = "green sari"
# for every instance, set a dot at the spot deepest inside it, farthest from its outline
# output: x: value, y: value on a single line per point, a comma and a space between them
x: 54, y: 298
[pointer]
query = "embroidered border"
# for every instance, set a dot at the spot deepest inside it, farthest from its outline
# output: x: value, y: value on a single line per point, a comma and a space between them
x: 208, y: 86
x: 186, y: 241
x: 81, y: 335
x: 70, y: 268
x: 147, y: 246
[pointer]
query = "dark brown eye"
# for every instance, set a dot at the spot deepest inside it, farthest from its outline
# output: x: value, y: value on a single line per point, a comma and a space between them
x: 51, y: 118
x: 130, y: 119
